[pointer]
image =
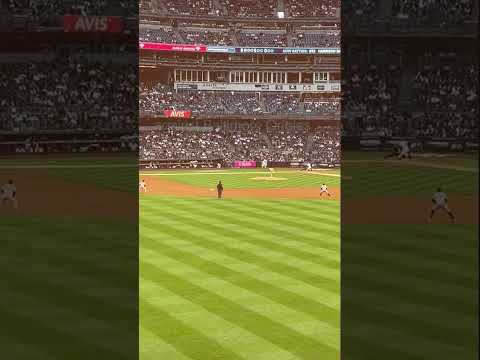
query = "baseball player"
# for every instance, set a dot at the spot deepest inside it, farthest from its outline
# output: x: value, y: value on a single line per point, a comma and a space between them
x: 219, y: 189
x: 404, y: 150
x: 272, y: 171
x: 324, y: 189
x: 308, y: 167
x: 395, y: 152
x: 8, y: 193
x: 440, y: 200
x: 142, y: 186
x: 264, y: 163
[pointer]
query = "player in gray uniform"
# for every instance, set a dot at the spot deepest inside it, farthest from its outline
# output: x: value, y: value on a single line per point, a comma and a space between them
x: 8, y: 193
x: 440, y: 202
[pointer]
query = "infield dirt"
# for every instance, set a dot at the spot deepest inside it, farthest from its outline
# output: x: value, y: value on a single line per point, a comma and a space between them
x: 42, y: 194
x: 164, y: 187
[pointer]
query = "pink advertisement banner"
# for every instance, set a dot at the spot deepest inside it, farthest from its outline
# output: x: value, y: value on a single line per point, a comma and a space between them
x: 244, y: 164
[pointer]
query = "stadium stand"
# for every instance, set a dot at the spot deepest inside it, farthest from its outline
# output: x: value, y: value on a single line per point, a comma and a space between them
x: 308, y: 144
x: 67, y: 94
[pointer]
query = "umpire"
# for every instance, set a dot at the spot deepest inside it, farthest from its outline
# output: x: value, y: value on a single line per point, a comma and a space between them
x: 219, y: 189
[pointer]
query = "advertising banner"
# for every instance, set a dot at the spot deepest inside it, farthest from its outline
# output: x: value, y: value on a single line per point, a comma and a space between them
x: 76, y: 23
x: 182, y: 114
x: 236, y: 50
x: 172, y: 47
x: 244, y: 164
x: 217, y: 86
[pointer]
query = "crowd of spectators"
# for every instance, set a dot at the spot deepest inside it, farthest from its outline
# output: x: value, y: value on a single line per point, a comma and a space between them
x: 325, y: 145
x: 260, y: 39
x: 157, y: 98
x: 445, y: 125
x: 160, y: 34
x: 370, y: 88
x: 258, y: 143
x: 67, y: 94
x: 225, y: 37
x: 250, y: 8
x: 45, y: 8
x: 438, y: 11
x: 327, y: 38
x: 321, y: 106
x: 282, y: 103
x: 312, y: 8
x: 192, y: 7
x: 161, y: 97
x: 447, y: 87
x: 207, y: 37
x: 358, y: 10
x: 266, y: 9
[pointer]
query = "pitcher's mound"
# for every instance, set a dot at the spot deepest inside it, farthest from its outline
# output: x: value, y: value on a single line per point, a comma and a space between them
x: 268, y: 178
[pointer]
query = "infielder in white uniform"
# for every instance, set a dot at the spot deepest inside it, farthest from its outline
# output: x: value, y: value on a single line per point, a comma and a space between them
x: 264, y: 164
x: 272, y: 171
x: 143, y: 186
x: 308, y: 166
x: 324, y: 189
x: 440, y: 200
x: 8, y: 193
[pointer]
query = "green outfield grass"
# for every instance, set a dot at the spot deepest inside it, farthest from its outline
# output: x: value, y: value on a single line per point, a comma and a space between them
x: 71, y: 282
x: 237, y: 278
x: 242, y: 179
x: 409, y: 292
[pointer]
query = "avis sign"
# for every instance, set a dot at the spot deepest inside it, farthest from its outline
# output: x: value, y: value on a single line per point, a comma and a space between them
x: 177, y: 114
x: 75, y: 23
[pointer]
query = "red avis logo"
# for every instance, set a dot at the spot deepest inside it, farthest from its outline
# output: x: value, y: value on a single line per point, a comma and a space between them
x: 177, y: 114
x: 73, y: 23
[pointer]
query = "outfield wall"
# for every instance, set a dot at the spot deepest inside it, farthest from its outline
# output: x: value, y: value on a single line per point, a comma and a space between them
x: 212, y: 163
x: 379, y: 143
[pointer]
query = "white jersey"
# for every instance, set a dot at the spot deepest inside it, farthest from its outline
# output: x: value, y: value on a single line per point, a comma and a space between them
x: 8, y: 190
x: 404, y: 148
x: 143, y: 184
x: 323, y: 188
x: 440, y: 198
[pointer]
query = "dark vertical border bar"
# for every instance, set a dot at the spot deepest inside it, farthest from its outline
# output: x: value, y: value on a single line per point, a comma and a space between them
x: 69, y: 145
x: 409, y: 284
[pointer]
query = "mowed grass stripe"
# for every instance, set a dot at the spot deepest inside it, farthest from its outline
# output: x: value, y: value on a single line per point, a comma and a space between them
x: 190, y: 342
x: 401, y: 284
x: 417, y: 266
x: 25, y: 349
x: 325, y: 245
x: 102, y: 340
x: 293, y: 217
x: 153, y: 348
x: 287, y: 329
x: 402, y: 180
x: 279, y: 288
x: 436, y: 240
x: 379, y: 342
x: 327, y: 288
x: 437, y: 323
x: 227, y: 334
x: 282, y: 225
x: 250, y: 245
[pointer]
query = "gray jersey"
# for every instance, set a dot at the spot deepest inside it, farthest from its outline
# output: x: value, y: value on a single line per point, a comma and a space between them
x: 8, y: 190
x: 440, y: 198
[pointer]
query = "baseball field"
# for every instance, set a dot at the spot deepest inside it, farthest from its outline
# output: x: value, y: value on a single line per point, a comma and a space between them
x: 409, y: 288
x: 255, y: 275
x: 69, y: 258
